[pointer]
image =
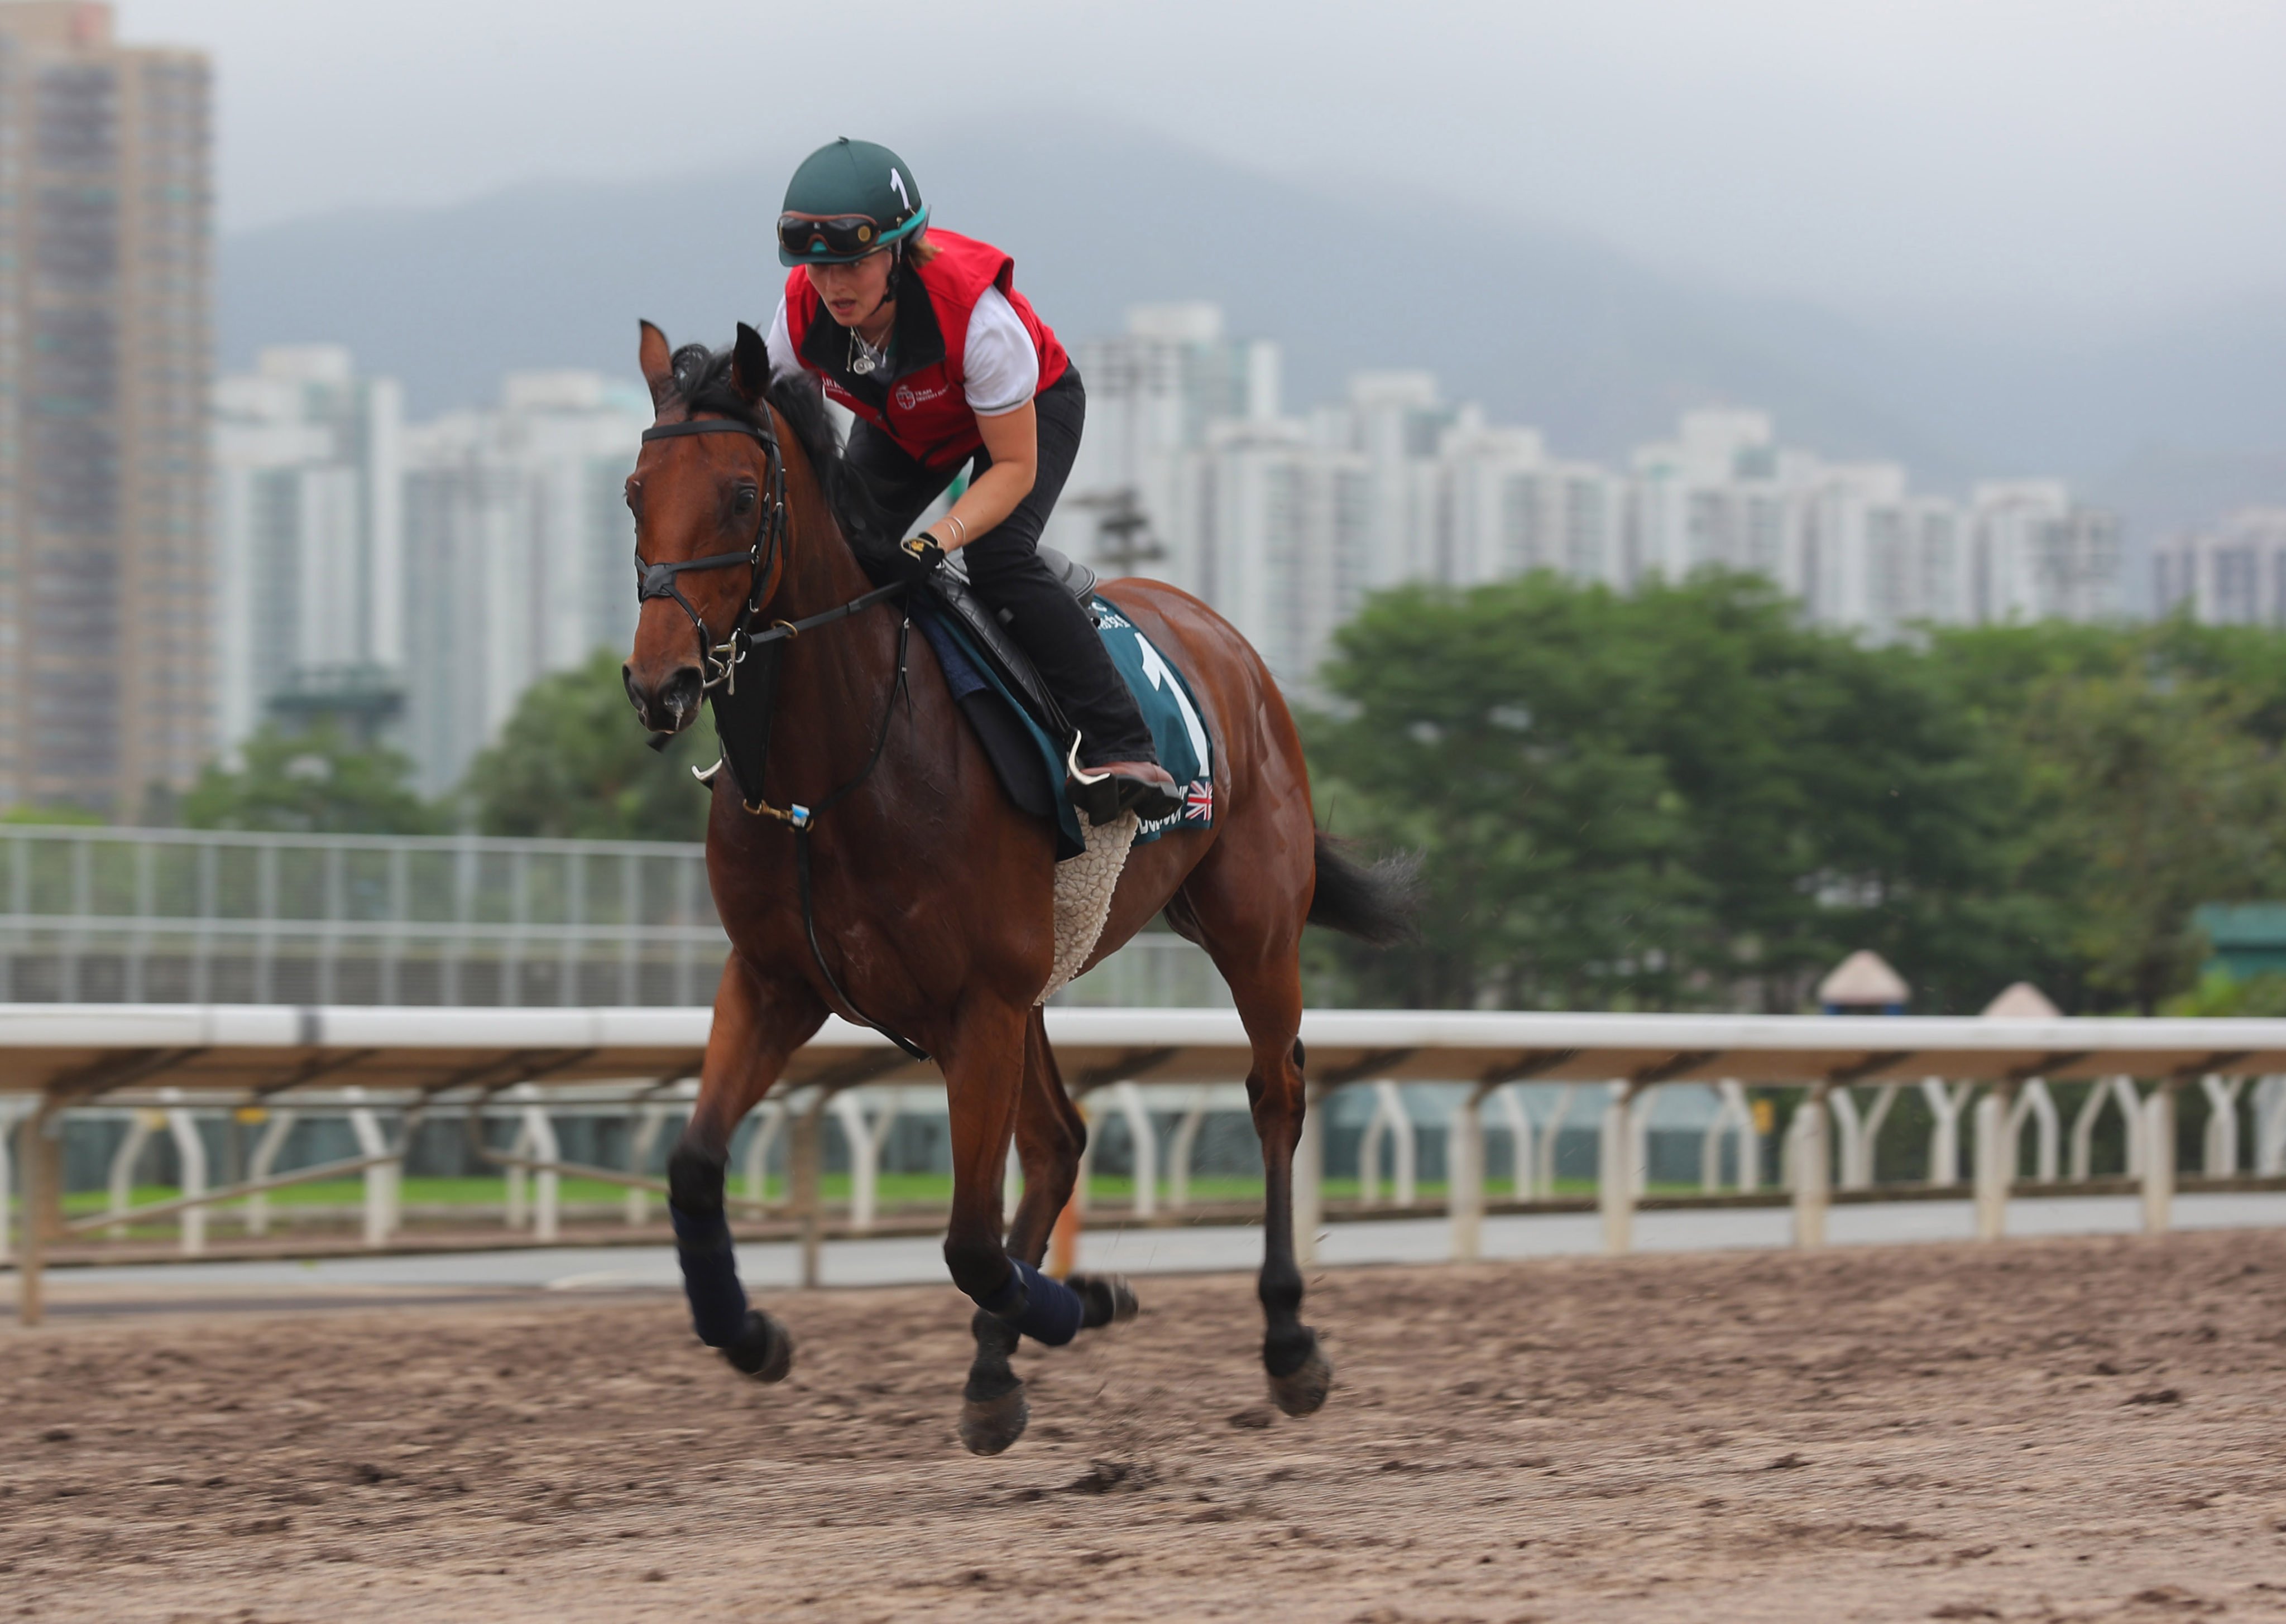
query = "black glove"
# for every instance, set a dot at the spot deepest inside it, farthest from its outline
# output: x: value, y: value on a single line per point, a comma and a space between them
x: 919, y: 558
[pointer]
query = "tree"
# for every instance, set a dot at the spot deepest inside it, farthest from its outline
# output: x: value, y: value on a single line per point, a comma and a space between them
x: 2153, y: 793
x: 1684, y: 797
x: 318, y: 781
x: 573, y: 763
x: 1498, y: 733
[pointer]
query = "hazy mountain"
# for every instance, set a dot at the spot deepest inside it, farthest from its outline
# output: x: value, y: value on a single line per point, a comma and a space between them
x: 1596, y: 350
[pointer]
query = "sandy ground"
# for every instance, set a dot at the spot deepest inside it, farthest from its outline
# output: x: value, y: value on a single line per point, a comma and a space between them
x: 2040, y: 1430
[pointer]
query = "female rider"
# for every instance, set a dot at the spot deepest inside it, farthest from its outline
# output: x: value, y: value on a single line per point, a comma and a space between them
x: 925, y: 338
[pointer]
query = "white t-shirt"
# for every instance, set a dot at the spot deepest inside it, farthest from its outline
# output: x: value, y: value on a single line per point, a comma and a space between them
x: 1003, y: 368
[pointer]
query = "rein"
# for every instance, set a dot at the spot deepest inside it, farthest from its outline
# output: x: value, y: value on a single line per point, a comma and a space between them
x: 720, y: 662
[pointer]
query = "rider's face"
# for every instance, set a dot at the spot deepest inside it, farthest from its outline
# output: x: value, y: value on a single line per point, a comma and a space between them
x: 852, y: 292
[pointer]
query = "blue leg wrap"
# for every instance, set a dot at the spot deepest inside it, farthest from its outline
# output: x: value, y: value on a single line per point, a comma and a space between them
x: 710, y: 1275
x: 1045, y: 1309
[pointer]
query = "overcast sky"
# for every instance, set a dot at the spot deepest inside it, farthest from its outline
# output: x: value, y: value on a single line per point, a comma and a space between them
x: 2072, y: 157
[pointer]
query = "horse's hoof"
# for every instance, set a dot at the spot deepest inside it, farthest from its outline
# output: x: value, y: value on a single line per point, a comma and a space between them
x: 1302, y: 1390
x: 990, y: 1425
x: 1107, y: 1299
x: 764, y: 1349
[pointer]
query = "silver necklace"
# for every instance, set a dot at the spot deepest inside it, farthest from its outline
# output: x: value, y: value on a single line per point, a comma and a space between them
x: 863, y: 358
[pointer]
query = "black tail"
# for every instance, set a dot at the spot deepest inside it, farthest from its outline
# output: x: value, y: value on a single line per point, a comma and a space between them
x: 1375, y: 903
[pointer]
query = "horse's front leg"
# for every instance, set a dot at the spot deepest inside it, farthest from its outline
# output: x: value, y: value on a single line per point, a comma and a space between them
x: 984, y: 1080
x: 756, y: 1027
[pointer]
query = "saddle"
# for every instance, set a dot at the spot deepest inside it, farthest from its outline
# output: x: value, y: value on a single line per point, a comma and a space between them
x: 951, y: 587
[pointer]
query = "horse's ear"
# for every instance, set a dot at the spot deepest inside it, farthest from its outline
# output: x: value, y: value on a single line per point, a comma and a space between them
x: 749, y: 366
x: 657, y: 364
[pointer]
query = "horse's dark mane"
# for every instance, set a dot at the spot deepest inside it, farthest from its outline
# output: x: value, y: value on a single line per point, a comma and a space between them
x: 702, y: 378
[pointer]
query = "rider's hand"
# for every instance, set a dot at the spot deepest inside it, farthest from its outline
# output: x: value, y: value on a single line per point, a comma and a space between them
x: 919, y: 557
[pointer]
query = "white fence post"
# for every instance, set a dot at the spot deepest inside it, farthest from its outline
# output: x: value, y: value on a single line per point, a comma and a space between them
x: 1179, y: 1149
x: 547, y: 1184
x: 1859, y: 1134
x: 1996, y: 1162
x: 119, y: 1194
x: 867, y: 1137
x: 1640, y: 1106
x: 640, y: 1143
x: 768, y: 1117
x: 1520, y: 1141
x: 30, y: 1267
x: 1544, y: 1169
x: 1464, y: 1174
x: 2104, y: 1091
x: 1129, y: 1100
x: 2034, y: 1101
x: 192, y: 1151
x: 381, y: 1213
x: 264, y: 1162
x: 1945, y: 1103
x: 7, y: 1181
x: 2159, y: 1159
x: 1391, y: 1120
x: 2220, y: 1159
x: 1806, y: 1143
x: 1615, y: 1177
x: 2135, y: 1125
x: 1749, y: 1142
x: 2270, y: 1125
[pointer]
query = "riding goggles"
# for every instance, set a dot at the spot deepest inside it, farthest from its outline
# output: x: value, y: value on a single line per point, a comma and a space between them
x: 846, y: 235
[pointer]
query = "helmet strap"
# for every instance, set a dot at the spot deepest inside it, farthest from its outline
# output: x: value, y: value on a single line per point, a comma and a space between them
x: 889, y: 282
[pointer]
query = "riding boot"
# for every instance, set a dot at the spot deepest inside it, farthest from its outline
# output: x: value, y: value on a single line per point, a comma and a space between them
x: 1118, y: 765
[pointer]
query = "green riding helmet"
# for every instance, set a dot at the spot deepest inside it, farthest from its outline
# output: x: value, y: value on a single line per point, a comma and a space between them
x: 847, y: 201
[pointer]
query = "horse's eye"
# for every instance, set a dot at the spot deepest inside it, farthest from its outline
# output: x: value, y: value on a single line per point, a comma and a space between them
x: 635, y: 498
x: 745, y: 502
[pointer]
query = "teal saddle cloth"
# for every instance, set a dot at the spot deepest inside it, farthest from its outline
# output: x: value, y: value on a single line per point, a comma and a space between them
x: 1031, y: 762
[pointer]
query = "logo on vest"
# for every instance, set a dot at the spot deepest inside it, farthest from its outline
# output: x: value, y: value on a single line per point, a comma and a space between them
x: 907, y: 396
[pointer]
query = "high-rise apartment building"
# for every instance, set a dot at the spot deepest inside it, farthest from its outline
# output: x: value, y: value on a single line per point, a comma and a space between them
x: 309, y: 542
x: 1153, y: 394
x: 105, y: 271
x: 519, y: 552
x: 2232, y: 574
x: 1285, y: 525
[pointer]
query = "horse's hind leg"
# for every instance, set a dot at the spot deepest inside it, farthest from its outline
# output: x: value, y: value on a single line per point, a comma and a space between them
x: 1248, y: 920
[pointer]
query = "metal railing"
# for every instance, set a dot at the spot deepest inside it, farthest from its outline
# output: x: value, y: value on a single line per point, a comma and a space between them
x: 102, y: 915
x: 206, y: 916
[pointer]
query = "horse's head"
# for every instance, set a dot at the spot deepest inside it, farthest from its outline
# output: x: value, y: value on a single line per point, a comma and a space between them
x: 707, y: 497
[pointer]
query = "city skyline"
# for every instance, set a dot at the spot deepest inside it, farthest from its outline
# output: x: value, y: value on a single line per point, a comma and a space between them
x: 192, y: 554
x: 511, y: 544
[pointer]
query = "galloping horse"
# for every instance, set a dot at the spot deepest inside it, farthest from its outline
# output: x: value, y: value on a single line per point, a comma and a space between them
x: 909, y: 893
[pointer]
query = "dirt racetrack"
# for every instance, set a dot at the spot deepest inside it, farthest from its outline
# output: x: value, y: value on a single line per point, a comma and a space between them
x: 2061, y: 1430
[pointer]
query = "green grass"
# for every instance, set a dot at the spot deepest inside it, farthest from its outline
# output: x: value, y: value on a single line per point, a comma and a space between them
x: 895, y: 1190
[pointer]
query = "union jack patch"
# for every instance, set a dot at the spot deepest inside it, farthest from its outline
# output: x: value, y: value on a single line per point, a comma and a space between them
x: 1198, y: 801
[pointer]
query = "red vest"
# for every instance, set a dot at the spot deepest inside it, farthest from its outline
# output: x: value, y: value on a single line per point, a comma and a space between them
x: 919, y: 405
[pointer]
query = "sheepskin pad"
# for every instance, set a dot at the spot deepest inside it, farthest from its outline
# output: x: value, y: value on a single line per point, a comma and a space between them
x: 1084, y: 888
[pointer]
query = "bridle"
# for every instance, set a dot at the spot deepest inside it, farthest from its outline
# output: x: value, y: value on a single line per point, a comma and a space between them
x: 719, y: 662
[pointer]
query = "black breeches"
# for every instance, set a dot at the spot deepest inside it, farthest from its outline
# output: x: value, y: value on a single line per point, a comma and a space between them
x: 1004, y: 565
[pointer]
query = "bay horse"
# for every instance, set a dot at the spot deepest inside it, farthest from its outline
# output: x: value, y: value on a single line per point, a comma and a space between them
x: 885, y: 874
